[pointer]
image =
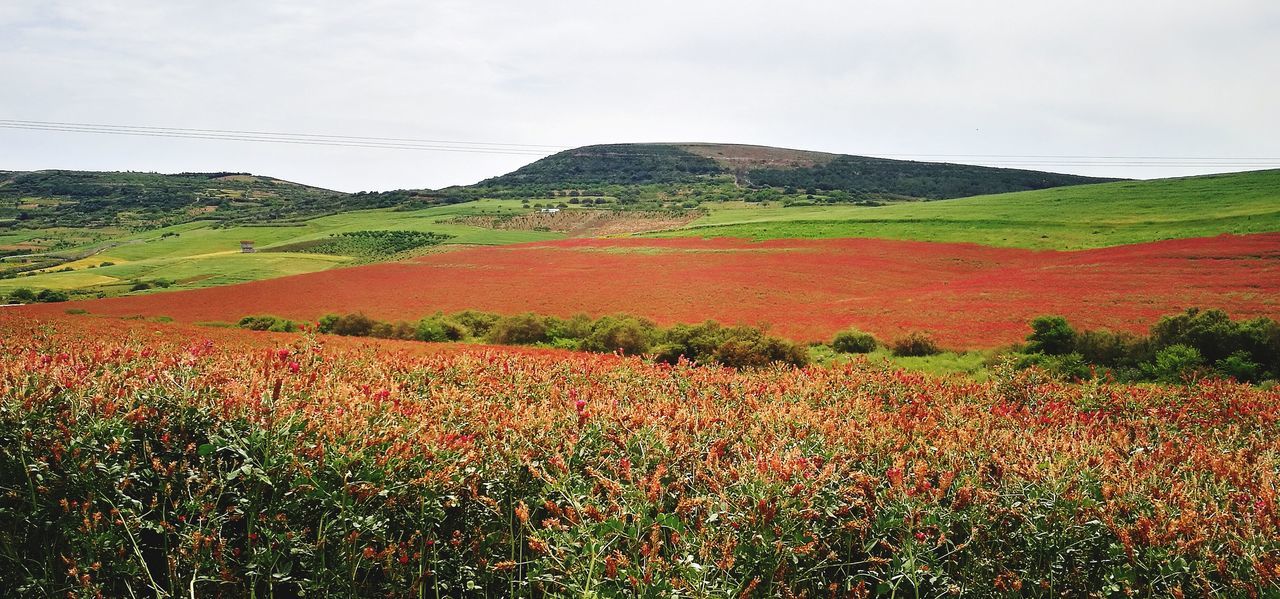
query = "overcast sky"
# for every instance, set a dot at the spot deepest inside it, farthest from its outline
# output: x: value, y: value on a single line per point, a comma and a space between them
x: 1168, y: 78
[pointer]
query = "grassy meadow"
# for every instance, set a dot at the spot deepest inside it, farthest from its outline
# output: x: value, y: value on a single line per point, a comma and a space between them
x: 198, y: 254
x: 1064, y: 218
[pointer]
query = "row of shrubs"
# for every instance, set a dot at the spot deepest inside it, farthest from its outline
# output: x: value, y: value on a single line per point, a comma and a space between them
x: 22, y: 295
x: 1196, y: 343
x: 709, y: 342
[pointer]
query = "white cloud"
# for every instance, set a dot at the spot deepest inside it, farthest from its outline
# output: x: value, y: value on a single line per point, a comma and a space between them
x: 1140, y: 77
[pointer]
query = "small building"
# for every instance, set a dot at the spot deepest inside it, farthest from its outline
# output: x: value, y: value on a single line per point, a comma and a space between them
x: 246, y: 247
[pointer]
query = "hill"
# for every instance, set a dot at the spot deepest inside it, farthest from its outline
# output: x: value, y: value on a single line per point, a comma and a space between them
x: 61, y: 198
x: 1077, y: 217
x: 761, y: 166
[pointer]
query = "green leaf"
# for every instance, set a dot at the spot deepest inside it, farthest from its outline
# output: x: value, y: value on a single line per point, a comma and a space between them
x: 206, y: 449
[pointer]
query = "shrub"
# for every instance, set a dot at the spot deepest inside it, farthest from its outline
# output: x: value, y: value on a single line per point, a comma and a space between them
x: 267, y: 323
x: 393, y: 330
x: 696, y: 343
x: 917, y: 343
x: 140, y: 286
x: 1051, y: 335
x: 520, y: 329
x: 748, y: 347
x: 853, y: 341
x: 1113, y: 349
x: 1176, y: 362
x: 478, y: 323
x: 1240, y: 367
x: 51, y: 295
x: 22, y: 295
x: 1071, y: 367
x: 575, y: 328
x: 627, y: 334
x: 354, y: 325
x: 439, y: 328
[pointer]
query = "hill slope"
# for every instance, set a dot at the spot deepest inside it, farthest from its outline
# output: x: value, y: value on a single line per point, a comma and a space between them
x: 1077, y: 217
x: 631, y: 164
x: 60, y: 198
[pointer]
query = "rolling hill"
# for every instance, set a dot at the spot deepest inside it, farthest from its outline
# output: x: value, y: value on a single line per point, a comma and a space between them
x: 1076, y: 217
x: 755, y: 166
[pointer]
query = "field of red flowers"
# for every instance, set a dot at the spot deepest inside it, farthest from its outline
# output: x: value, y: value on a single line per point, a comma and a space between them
x: 970, y: 296
x: 139, y: 458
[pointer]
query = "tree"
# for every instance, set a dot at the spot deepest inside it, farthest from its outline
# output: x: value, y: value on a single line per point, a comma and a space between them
x: 853, y: 341
x: 22, y: 295
x: 1051, y: 335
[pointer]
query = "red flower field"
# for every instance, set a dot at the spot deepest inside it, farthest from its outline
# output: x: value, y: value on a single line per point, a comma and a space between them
x: 967, y: 295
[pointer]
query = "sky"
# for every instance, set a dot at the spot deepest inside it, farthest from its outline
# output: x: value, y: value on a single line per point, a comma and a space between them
x: 981, y: 81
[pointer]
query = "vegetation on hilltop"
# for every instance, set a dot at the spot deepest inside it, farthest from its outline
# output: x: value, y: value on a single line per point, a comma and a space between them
x: 641, y: 164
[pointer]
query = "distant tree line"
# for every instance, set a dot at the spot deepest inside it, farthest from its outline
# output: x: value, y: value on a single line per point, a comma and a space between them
x: 709, y: 342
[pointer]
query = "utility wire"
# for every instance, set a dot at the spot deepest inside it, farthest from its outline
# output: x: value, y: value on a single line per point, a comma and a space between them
x: 523, y: 149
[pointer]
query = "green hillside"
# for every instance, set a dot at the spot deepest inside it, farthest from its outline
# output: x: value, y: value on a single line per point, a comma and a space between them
x: 759, y: 166
x: 204, y: 253
x: 1078, y: 217
x: 60, y: 198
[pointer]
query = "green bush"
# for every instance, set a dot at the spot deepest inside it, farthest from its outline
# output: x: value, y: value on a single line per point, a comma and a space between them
x: 49, y: 296
x: 520, y: 329
x: 478, y: 324
x: 439, y: 328
x: 1176, y: 363
x: 1112, y: 349
x: 853, y: 341
x: 749, y: 347
x: 22, y: 295
x: 267, y: 323
x: 621, y: 333
x: 575, y: 328
x: 693, y: 342
x: 354, y: 325
x: 1051, y: 335
x: 1240, y: 367
x: 393, y: 330
x: 917, y: 343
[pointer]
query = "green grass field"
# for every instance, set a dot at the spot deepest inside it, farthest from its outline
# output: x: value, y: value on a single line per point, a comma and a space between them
x: 1079, y: 217
x: 198, y: 255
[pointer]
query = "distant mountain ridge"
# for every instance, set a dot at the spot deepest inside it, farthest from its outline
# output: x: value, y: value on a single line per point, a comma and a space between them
x: 753, y: 166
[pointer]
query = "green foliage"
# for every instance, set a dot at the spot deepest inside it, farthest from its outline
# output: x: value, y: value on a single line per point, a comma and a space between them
x: 1239, y: 366
x: 267, y: 323
x: 48, y: 296
x: 354, y: 325
x: 1175, y: 363
x: 519, y: 329
x: 149, y: 200
x: 439, y: 328
x: 915, y: 179
x: 611, y: 164
x: 367, y: 244
x: 749, y: 347
x: 1051, y: 335
x: 1112, y: 349
x: 853, y: 341
x: 1074, y: 217
x: 1179, y: 346
x: 916, y: 343
x: 621, y: 333
x: 22, y: 295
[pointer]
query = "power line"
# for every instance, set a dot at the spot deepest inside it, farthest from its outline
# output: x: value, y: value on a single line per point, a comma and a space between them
x: 285, y: 138
x: 524, y: 149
